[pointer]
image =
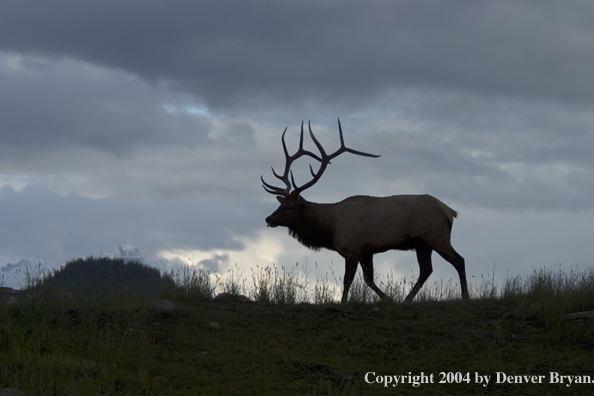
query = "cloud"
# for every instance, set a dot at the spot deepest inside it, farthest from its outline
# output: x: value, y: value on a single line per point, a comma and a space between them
x: 79, y: 128
x: 132, y: 139
x: 248, y: 54
x: 489, y: 96
x: 262, y: 248
x: 67, y: 104
x: 484, y: 151
x: 150, y: 123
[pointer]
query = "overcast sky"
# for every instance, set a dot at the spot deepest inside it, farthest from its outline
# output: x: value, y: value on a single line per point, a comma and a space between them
x: 147, y: 124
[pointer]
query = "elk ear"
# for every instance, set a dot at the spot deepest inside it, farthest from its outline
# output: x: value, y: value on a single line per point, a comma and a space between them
x: 281, y: 199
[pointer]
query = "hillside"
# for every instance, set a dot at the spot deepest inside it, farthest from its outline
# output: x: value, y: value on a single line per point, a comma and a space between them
x: 519, y: 341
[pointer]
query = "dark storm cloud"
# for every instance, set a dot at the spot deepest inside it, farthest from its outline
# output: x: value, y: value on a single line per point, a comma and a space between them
x: 48, y: 105
x: 244, y: 53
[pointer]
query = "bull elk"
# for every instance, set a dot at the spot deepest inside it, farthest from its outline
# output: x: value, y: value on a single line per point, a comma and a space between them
x: 361, y: 226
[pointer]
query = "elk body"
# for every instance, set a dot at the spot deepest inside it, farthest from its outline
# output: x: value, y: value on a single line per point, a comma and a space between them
x: 361, y: 226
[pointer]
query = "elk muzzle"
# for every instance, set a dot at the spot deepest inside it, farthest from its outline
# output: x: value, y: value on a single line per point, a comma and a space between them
x: 269, y: 222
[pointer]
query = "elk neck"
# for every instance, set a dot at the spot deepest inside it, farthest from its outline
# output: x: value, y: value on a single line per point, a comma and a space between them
x: 315, y: 226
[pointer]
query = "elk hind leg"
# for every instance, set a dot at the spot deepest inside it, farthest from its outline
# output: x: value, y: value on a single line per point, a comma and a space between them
x: 425, y: 269
x: 451, y: 256
x: 367, y: 265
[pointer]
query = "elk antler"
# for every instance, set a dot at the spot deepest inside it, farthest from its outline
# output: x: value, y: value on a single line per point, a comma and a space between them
x: 325, y: 160
x: 288, y: 161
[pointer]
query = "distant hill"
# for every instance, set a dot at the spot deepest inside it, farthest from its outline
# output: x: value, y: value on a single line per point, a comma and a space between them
x: 107, y: 275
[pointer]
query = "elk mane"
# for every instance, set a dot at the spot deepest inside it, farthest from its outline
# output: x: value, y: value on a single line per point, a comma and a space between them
x: 312, y: 230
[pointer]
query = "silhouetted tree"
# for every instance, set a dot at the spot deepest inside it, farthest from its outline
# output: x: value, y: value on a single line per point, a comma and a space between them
x: 103, y: 274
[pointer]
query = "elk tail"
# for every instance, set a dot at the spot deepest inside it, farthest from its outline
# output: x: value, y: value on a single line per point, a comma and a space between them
x: 450, y: 213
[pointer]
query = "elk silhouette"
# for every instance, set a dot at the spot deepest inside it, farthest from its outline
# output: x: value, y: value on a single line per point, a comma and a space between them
x: 361, y: 226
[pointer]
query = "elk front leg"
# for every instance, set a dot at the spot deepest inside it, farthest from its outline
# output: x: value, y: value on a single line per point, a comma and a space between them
x: 350, y: 270
x: 425, y: 269
x: 367, y: 265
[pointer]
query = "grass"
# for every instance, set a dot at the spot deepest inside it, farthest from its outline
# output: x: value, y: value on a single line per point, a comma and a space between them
x: 296, y: 340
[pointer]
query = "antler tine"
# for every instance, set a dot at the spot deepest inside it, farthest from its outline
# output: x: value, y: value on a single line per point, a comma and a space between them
x: 324, y: 161
x: 344, y: 149
x: 284, y: 144
x: 326, y: 158
x: 275, y: 174
x: 287, y: 156
x: 301, y: 138
x: 289, y: 159
x: 301, y: 151
x: 318, y: 144
x: 293, y: 181
x: 270, y: 188
x: 340, y: 133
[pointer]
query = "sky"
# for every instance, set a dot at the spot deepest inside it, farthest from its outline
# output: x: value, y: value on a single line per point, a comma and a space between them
x: 144, y: 127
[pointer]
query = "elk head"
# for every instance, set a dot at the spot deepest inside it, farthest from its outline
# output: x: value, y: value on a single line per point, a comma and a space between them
x: 292, y: 204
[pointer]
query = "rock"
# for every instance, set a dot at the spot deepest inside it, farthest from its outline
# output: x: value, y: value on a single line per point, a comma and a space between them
x: 243, y: 299
x: 52, y: 293
x: 215, y: 326
x: 165, y: 307
x: 4, y: 372
x: 9, y: 295
x: 11, y: 392
x: 580, y: 317
x: 44, y: 293
x: 228, y: 297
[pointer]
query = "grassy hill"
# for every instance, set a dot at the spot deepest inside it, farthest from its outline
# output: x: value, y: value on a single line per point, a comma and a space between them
x: 52, y: 345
